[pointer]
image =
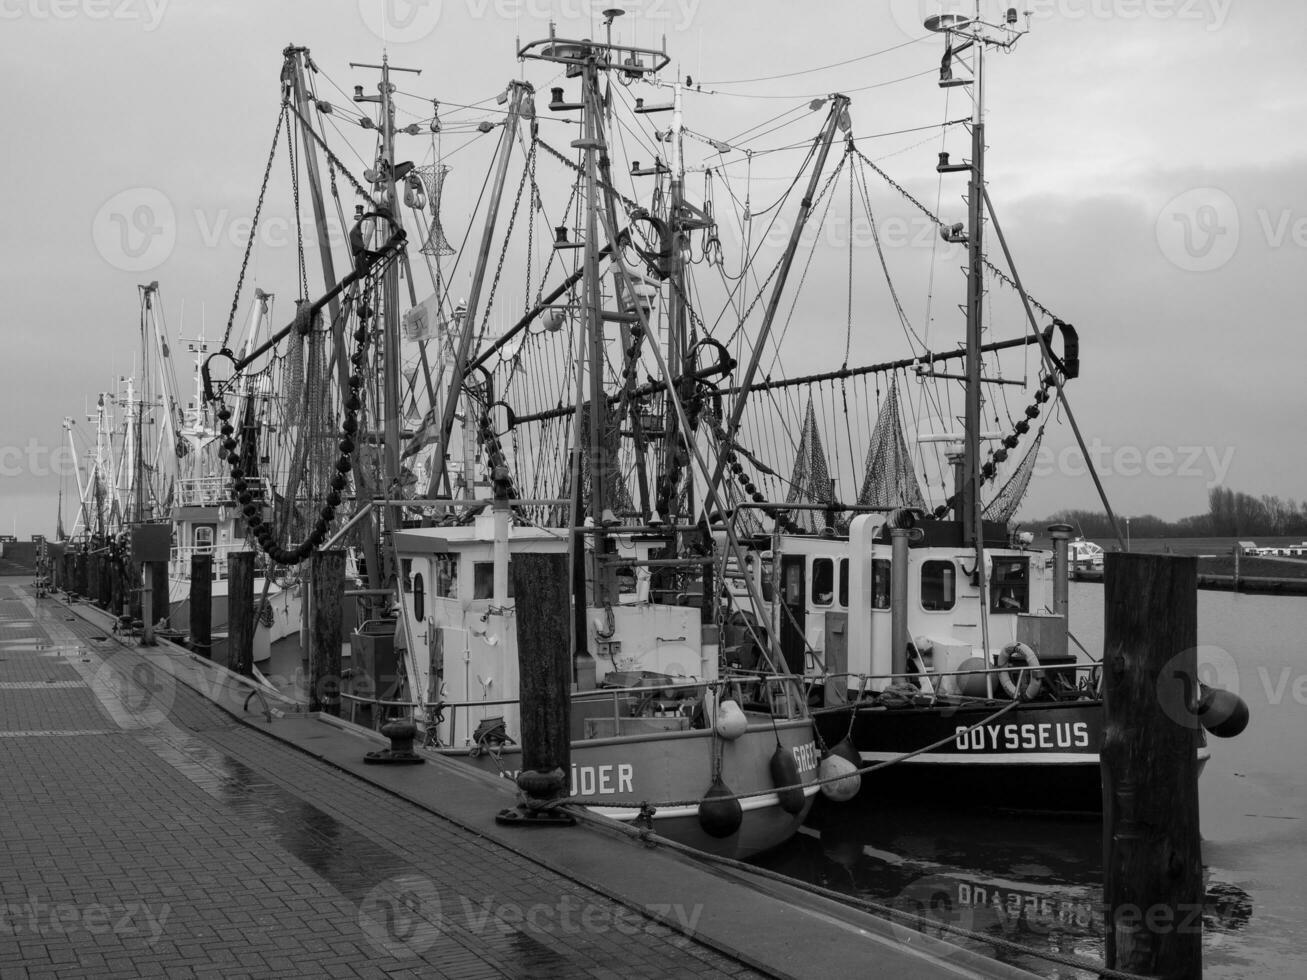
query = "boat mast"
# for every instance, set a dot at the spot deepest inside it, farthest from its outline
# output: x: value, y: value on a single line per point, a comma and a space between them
x: 519, y: 103
x: 978, y: 35
x: 971, y: 520
x: 838, y: 118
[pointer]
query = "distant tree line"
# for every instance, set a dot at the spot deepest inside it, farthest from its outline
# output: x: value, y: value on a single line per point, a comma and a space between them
x: 1230, y: 514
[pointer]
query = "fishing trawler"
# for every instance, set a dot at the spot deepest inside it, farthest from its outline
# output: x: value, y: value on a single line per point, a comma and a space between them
x: 936, y: 637
x: 659, y: 735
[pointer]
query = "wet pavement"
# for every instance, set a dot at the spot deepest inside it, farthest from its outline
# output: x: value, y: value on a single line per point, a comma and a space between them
x: 146, y: 832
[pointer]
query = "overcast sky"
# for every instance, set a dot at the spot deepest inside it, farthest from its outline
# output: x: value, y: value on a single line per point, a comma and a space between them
x: 1146, y: 158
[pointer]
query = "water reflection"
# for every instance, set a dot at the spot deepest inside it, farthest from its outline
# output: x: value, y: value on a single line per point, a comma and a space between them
x: 1034, y: 881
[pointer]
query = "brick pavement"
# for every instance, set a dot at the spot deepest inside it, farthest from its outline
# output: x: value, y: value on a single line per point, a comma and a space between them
x: 185, y: 844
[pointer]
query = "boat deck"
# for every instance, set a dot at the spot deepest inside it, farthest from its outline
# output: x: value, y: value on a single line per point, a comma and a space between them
x: 152, y: 826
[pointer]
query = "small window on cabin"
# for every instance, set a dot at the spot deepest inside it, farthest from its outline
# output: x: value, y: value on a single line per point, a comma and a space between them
x: 844, y: 583
x: 1009, y: 592
x: 626, y: 580
x: 406, y: 573
x: 938, y: 585
x: 419, y: 598
x: 768, y: 570
x: 445, y: 569
x: 823, y: 581
x: 203, y: 539
x: 880, y: 581
x: 483, y: 580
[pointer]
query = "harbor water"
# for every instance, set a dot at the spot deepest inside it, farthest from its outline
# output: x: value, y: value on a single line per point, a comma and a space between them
x: 1036, y: 882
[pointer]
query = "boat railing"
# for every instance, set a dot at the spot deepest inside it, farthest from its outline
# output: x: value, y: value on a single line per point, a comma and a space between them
x: 213, y: 491
x: 929, y: 681
x: 778, y: 694
x: 180, y: 558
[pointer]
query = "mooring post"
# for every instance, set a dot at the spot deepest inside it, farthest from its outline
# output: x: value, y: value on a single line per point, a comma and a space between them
x: 1238, y: 550
x: 327, y: 571
x: 201, y: 626
x: 542, y: 604
x: 162, y: 602
x: 240, y: 612
x: 1152, y: 861
x: 147, y: 603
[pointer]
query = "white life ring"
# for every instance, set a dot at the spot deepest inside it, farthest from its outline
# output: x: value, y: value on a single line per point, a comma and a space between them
x: 1024, y: 657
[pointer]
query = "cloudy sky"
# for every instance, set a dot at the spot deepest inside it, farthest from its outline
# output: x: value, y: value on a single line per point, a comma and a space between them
x: 1146, y: 158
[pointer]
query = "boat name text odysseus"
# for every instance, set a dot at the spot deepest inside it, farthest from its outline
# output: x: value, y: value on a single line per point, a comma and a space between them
x: 1042, y: 735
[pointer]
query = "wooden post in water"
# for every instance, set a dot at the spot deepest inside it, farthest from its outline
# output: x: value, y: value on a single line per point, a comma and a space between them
x: 240, y: 612
x: 328, y: 589
x: 201, y: 626
x: 159, y: 591
x: 1152, y: 861
x: 1238, y: 550
x: 544, y: 656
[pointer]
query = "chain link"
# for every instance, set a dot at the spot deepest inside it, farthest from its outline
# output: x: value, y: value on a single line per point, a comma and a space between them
x: 998, y: 273
x: 249, y: 242
x: 299, y: 227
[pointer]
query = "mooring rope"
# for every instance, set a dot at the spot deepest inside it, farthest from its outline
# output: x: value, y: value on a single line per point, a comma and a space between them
x: 862, y: 771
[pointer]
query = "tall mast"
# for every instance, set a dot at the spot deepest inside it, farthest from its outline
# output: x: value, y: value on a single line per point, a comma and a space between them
x: 675, y: 308
x: 971, y: 521
x: 519, y: 102
x: 378, y: 569
x: 978, y: 35
x: 837, y: 118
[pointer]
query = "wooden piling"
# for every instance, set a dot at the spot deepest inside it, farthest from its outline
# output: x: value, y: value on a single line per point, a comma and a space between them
x: 240, y: 612
x: 159, y: 591
x: 201, y: 626
x: 1152, y: 862
x: 327, y: 571
x: 543, y: 603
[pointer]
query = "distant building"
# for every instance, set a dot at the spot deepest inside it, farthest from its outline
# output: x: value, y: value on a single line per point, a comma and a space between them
x: 1248, y: 547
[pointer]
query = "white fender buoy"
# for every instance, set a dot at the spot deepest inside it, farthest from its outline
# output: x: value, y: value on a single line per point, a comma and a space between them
x: 731, y: 721
x: 839, y: 790
x: 1019, y: 654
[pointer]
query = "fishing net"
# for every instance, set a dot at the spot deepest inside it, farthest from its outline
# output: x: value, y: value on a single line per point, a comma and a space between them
x: 889, y: 480
x: 433, y: 179
x: 1006, y: 501
x: 616, y: 494
x: 810, y: 481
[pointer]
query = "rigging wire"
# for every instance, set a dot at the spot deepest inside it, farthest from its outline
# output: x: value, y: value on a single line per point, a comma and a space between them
x: 809, y: 71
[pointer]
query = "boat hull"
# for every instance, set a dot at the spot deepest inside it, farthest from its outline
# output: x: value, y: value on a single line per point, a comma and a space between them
x: 1039, y: 756
x: 673, y: 770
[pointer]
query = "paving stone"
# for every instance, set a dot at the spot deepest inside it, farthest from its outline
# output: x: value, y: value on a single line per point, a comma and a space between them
x: 195, y: 846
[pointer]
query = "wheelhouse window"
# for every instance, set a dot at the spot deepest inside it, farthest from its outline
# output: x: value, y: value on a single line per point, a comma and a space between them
x: 823, y: 581
x: 204, y: 539
x: 1009, y: 592
x: 483, y: 580
x: 880, y: 582
x: 938, y: 585
x: 445, y: 570
x: 844, y: 583
x: 419, y: 598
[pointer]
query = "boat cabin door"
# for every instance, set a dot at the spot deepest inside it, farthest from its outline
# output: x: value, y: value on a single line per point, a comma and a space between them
x: 794, y: 603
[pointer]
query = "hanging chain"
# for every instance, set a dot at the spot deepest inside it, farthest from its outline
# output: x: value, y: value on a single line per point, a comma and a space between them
x: 531, y: 231
x: 299, y: 228
x: 359, y: 189
x: 508, y: 235
x: 258, y: 208
x: 998, y: 273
